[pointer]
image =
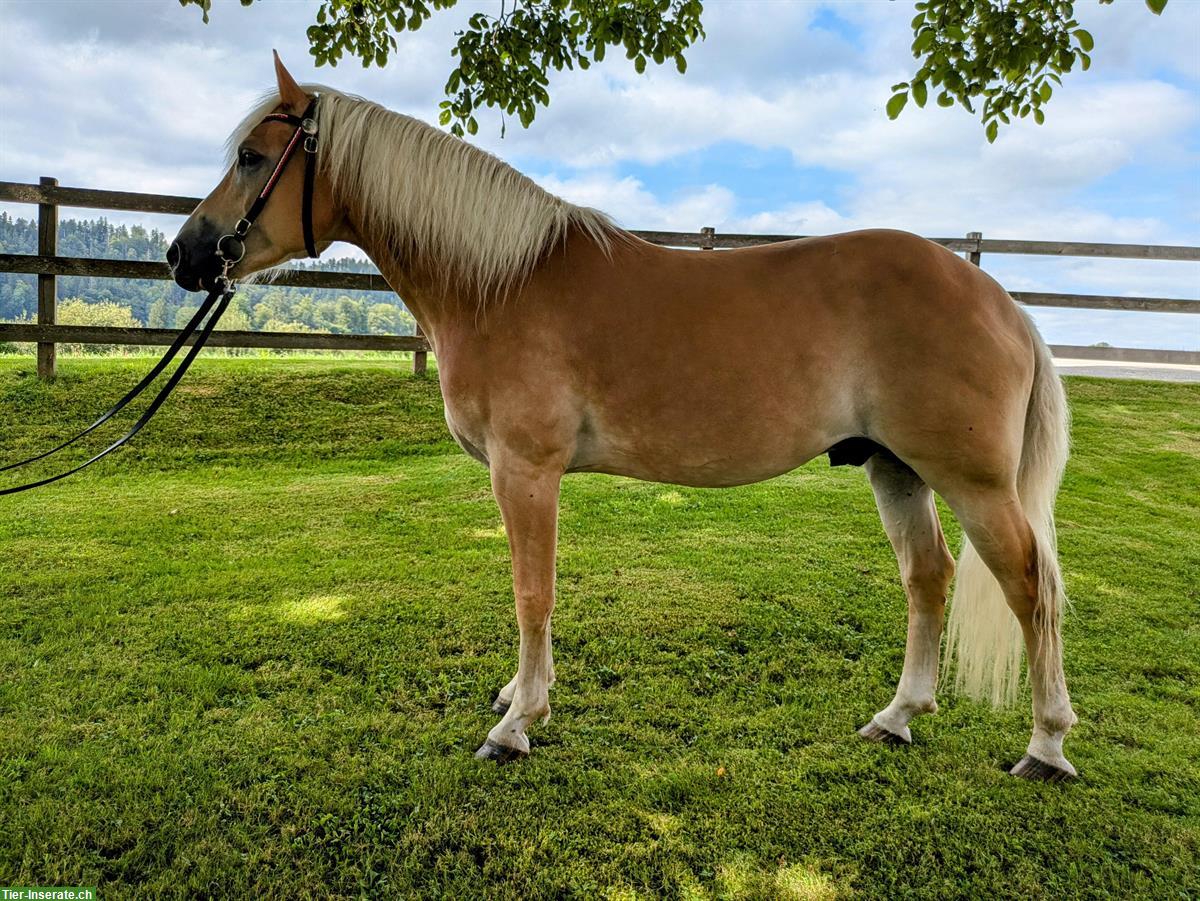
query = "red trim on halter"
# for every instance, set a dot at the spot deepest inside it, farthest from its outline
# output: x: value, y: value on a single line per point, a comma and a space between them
x: 236, y: 238
x: 283, y: 161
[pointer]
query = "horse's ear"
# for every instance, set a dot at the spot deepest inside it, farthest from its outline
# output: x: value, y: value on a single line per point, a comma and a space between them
x: 290, y: 93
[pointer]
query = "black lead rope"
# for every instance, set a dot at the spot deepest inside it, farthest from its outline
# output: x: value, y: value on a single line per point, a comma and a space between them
x: 221, y: 298
x: 230, y: 249
x: 141, y: 386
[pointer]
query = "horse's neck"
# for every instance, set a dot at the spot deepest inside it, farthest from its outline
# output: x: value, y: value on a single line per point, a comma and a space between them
x: 446, y: 310
x: 438, y: 302
x: 425, y: 293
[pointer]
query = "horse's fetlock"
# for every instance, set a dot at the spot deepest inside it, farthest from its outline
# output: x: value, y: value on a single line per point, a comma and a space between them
x: 923, y: 705
x: 1057, y: 722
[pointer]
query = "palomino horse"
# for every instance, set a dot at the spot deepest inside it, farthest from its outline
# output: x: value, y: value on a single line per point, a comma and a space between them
x: 565, y: 344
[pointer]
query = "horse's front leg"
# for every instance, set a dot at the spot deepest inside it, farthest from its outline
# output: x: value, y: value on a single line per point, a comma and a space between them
x: 528, y: 497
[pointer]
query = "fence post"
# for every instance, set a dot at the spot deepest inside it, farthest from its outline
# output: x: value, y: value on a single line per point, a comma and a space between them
x: 420, y: 357
x: 707, y: 234
x: 973, y: 255
x: 47, y: 287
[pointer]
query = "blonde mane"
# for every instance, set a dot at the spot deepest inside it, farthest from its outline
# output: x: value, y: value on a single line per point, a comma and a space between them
x: 474, y: 216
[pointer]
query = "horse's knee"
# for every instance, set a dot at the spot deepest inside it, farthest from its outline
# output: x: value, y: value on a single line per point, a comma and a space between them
x: 533, y: 610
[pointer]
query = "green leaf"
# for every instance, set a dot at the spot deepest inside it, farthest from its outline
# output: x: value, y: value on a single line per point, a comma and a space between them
x: 680, y: 63
x: 1085, y: 39
x: 993, y: 129
x: 639, y: 64
x: 1157, y: 6
x: 944, y: 99
x: 896, y: 104
x: 1038, y: 116
x: 920, y: 93
x: 1045, y: 91
x: 923, y: 41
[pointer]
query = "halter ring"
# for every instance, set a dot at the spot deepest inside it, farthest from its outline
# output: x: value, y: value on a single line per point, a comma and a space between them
x: 235, y: 255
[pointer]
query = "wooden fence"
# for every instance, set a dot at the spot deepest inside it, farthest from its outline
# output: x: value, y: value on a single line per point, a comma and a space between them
x: 48, y: 265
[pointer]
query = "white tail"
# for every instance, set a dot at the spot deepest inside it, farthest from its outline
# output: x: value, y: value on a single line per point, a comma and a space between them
x: 983, y: 638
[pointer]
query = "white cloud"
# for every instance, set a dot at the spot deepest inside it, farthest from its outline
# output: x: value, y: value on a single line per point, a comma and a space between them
x: 809, y: 218
x: 629, y: 202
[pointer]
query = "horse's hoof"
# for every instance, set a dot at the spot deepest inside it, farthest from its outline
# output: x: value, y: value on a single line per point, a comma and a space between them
x: 872, y: 731
x: 500, y: 706
x: 1031, y: 768
x: 489, y: 750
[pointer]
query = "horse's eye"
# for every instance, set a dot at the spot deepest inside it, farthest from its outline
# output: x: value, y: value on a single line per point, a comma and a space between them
x: 248, y: 158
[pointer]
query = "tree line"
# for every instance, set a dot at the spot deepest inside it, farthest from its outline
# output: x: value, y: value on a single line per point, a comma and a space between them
x: 84, y: 300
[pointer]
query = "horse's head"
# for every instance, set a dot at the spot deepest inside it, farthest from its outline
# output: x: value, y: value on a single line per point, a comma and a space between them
x: 256, y: 218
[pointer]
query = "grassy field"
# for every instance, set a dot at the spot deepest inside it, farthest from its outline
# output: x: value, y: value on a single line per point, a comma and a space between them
x: 251, y: 656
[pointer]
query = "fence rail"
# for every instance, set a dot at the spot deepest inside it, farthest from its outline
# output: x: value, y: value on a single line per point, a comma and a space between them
x: 47, y: 266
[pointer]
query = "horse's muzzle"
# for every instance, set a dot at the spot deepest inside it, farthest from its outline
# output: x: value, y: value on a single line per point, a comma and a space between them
x: 193, y: 258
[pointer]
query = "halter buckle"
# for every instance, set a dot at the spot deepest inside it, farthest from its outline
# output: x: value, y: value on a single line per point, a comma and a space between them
x: 310, y: 144
x: 240, y: 228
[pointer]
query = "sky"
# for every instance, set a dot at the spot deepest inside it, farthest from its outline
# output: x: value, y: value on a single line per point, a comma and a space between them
x: 778, y: 126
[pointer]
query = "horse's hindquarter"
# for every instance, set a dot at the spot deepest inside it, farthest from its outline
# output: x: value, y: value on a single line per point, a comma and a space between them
x: 730, y: 367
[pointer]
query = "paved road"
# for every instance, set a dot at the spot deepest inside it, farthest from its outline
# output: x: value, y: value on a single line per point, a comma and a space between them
x: 1163, y: 372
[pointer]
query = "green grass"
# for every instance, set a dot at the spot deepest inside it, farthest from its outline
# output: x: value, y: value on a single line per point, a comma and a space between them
x: 251, y: 655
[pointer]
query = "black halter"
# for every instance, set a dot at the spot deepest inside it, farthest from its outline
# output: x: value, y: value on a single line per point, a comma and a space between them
x: 230, y: 249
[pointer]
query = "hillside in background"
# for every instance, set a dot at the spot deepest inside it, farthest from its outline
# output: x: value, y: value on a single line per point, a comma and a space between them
x: 160, y: 304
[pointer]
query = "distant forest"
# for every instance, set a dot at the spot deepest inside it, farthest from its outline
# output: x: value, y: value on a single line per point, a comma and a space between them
x: 161, y: 304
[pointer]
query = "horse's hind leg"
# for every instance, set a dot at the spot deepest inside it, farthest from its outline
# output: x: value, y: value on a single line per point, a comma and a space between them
x: 910, y: 519
x: 997, y: 526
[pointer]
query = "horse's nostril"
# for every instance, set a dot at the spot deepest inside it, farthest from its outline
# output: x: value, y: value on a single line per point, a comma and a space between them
x: 174, y: 255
